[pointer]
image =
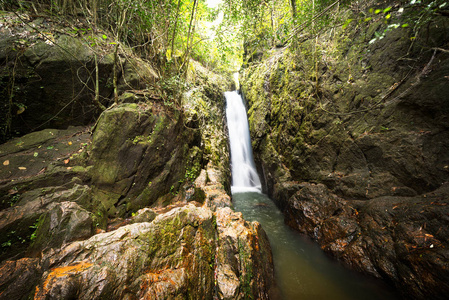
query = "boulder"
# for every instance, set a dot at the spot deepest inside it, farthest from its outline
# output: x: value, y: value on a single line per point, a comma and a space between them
x: 187, y: 252
x: 139, y: 155
x: 402, y: 240
x: 49, y: 80
x: 244, y: 260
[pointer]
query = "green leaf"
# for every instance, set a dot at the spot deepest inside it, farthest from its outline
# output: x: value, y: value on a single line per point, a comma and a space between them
x: 347, y: 22
x: 377, y: 11
x: 105, y: 37
x: 388, y: 16
x: 387, y: 9
x: 35, y: 154
x: 368, y: 19
x: 50, y: 147
x: 404, y: 25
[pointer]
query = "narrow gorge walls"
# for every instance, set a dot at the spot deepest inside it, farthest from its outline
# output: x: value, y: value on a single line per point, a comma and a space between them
x: 353, y: 146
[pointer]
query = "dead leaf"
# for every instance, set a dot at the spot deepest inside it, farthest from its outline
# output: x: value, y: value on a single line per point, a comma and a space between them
x: 20, y: 110
x: 22, y: 168
x: 6, y: 163
x: 70, y: 143
x: 438, y: 203
x: 66, y: 161
x: 69, y: 168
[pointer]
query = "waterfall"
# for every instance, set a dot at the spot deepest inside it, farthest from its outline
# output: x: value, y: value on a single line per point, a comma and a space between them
x: 244, y: 174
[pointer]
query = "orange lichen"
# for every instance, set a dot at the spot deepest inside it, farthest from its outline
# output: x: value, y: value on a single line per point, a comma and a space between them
x: 158, y: 276
x: 60, y: 272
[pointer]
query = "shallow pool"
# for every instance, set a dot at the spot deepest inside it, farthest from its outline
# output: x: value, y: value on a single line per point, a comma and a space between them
x: 302, y: 269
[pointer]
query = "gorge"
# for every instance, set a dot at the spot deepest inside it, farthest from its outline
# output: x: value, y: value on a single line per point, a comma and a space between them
x: 115, y: 156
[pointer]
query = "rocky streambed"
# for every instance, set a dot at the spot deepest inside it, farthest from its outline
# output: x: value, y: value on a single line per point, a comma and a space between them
x: 66, y: 234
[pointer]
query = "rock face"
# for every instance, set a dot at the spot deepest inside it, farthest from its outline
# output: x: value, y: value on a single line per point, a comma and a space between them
x: 133, y: 207
x: 400, y: 239
x: 186, y: 253
x: 139, y: 154
x: 49, y: 80
x: 357, y: 156
x: 53, y: 240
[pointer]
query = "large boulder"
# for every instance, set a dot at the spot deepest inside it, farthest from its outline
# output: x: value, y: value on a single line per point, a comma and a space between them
x: 403, y: 240
x: 140, y: 154
x: 176, y: 255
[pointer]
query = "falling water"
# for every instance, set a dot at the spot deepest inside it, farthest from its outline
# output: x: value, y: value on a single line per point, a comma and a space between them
x: 244, y: 174
x: 302, y: 270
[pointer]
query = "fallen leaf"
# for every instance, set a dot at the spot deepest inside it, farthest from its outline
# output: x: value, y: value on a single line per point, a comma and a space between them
x: 66, y: 161
x: 6, y: 163
x: 69, y: 168
x: 50, y: 147
x: 70, y: 143
x: 22, y: 168
x: 35, y: 154
x: 12, y: 191
x: 20, y: 110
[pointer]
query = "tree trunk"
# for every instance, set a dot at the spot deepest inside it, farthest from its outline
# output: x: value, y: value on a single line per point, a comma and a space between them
x: 293, y: 5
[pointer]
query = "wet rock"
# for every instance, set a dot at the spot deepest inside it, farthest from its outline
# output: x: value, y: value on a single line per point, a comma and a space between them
x: 169, y: 257
x: 173, y: 256
x: 215, y: 194
x: 338, y: 152
x: 18, y: 278
x: 145, y: 162
x: 400, y: 239
x: 62, y: 223
x: 244, y: 259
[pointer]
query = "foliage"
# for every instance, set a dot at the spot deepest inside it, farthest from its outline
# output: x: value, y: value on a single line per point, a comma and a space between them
x: 415, y: 14
x: 170, y: 32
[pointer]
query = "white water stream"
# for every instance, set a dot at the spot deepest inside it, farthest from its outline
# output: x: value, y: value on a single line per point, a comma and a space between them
x: 244, y: 174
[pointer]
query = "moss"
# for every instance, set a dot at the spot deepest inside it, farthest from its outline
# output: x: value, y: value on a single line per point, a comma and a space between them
x: 40, y: 234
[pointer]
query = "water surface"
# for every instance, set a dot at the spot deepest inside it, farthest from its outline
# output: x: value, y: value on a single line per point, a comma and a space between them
x: 302, y: 269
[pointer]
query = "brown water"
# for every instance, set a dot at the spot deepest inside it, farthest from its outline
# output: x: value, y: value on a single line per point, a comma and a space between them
x: 302, y: 269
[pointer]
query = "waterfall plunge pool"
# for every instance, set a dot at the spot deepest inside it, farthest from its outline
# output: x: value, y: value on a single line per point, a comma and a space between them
x: 302, y: 270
